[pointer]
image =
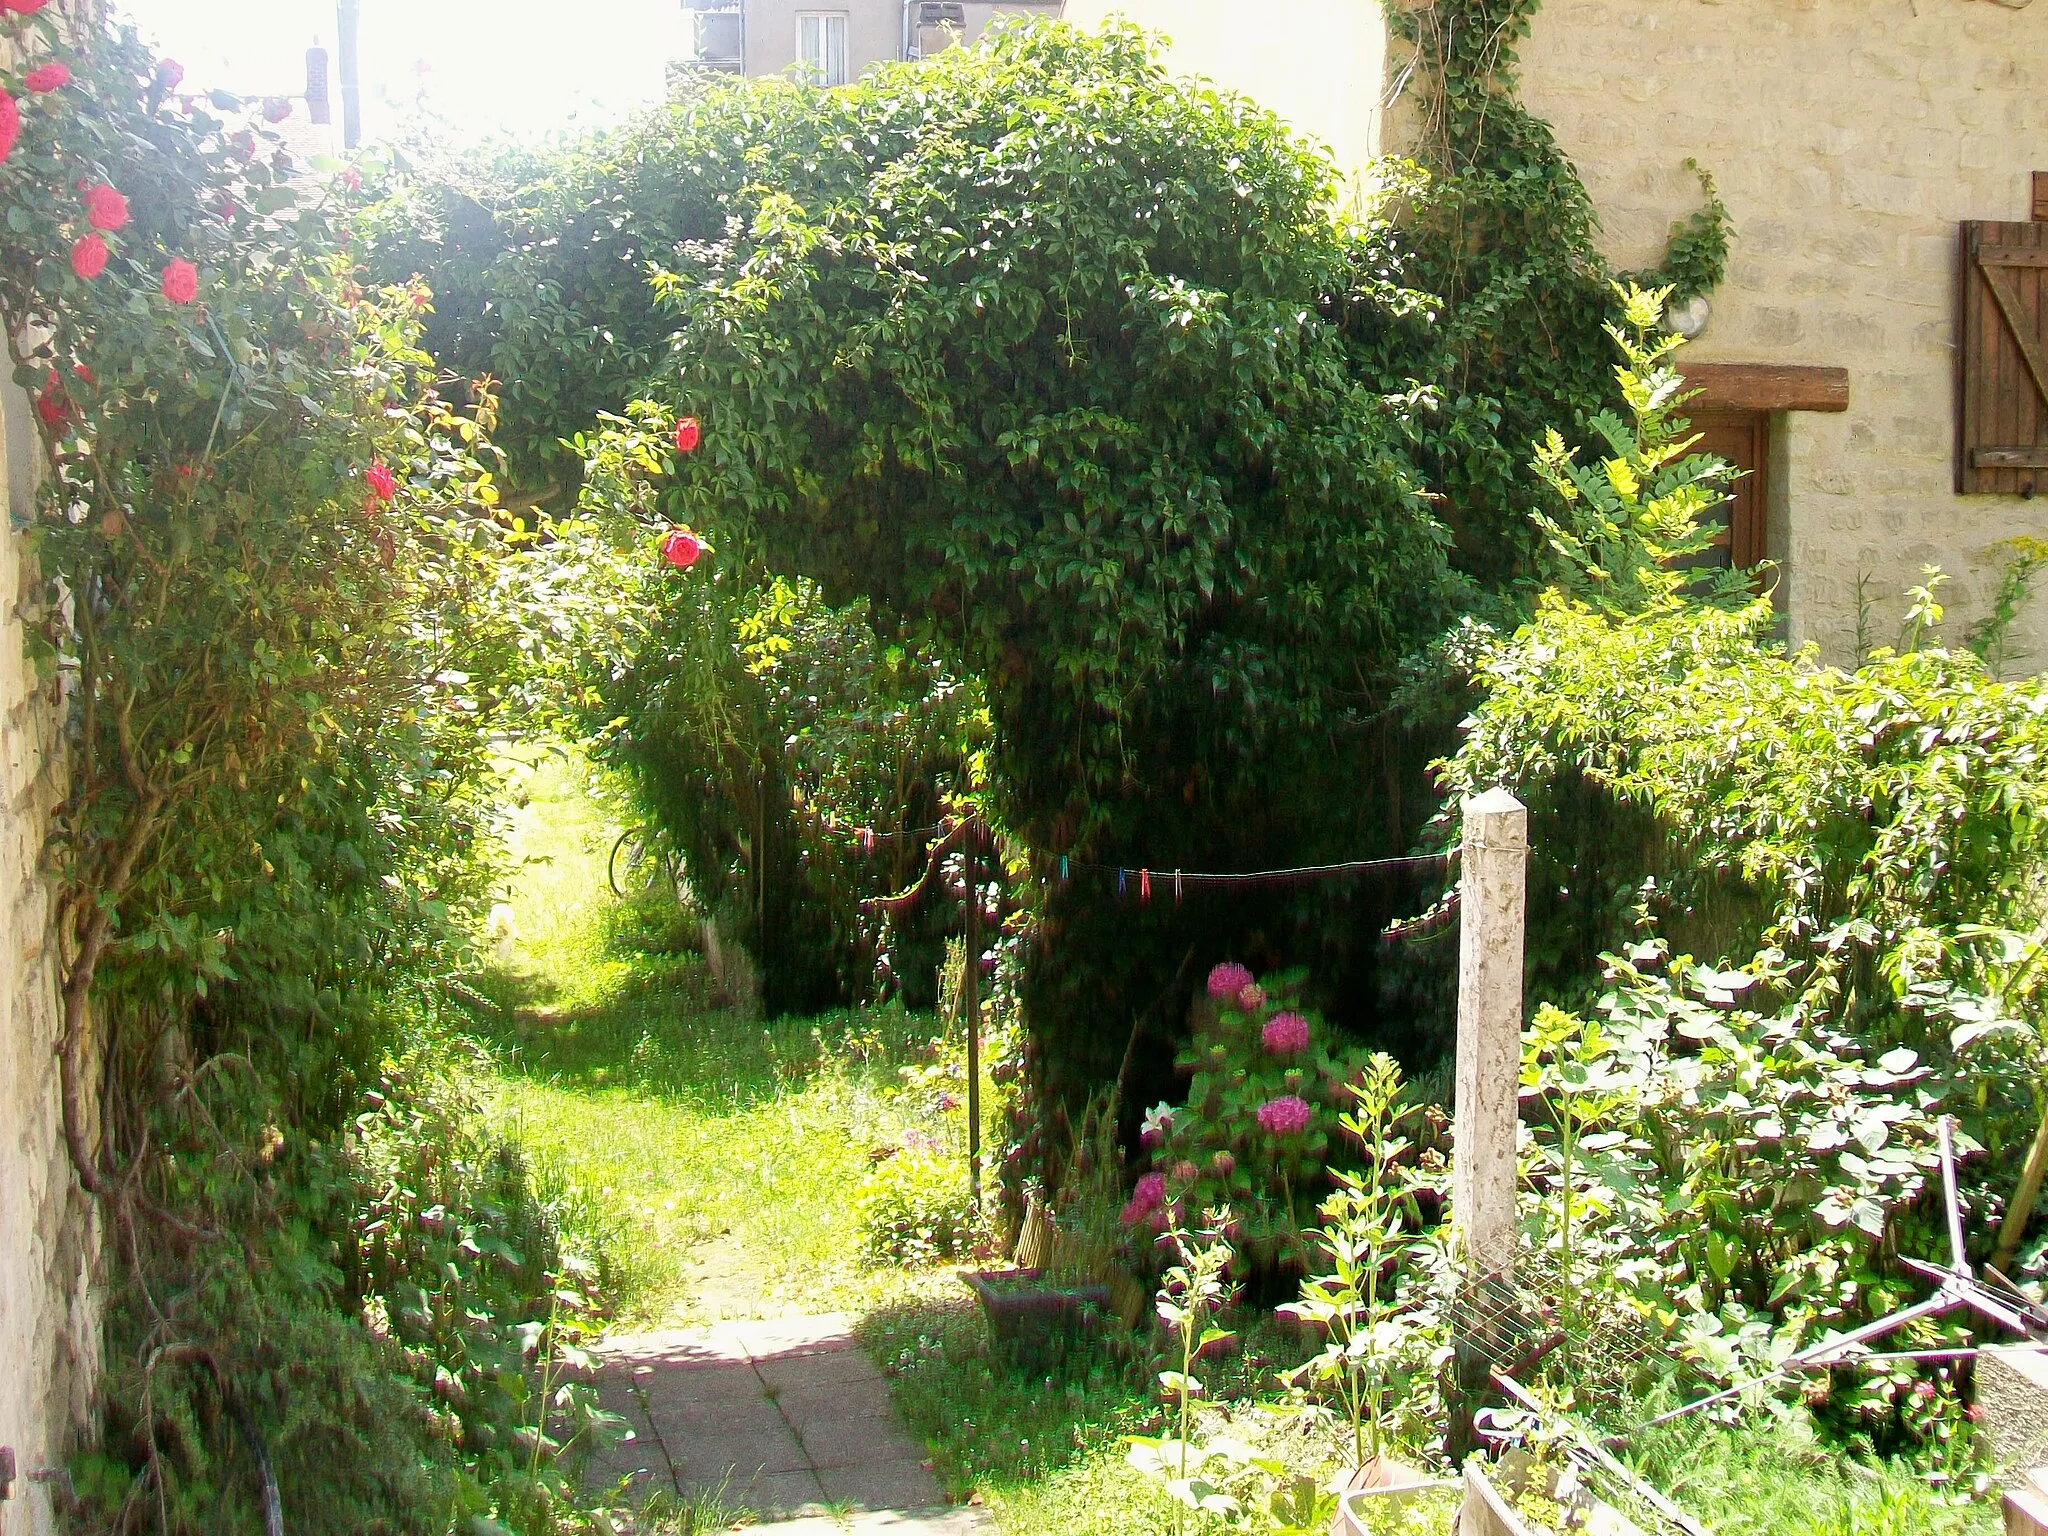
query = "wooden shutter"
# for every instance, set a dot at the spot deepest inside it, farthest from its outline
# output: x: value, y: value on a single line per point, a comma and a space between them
x: 2002, y: 359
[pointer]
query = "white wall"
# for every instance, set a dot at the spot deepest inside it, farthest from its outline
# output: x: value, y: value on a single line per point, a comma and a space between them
x: 1318, y: 63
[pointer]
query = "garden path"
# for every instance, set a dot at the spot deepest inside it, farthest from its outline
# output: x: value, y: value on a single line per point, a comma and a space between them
x: 784, y: 1416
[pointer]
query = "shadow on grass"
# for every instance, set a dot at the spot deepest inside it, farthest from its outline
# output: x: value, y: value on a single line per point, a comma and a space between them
x: 645, y: 1019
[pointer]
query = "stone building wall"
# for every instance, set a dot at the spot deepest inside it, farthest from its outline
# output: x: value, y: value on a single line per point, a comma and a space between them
x: 1849, y: 138
x: 49, y: 1349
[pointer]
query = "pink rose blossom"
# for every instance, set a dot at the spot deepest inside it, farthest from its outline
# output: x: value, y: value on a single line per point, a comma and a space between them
x: 170, y: 74
x: 1228, y: 980
x: 1284, y: 1116
x: 51, y: 77
x: 682, y: 548
x: 23, y: 7
x: 380, y: 479
x: 10, y: 124
x: 1145, y: 1199
x: 1284, y: 1034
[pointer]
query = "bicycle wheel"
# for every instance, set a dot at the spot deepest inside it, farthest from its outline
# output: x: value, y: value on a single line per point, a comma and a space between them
x: 634, y: 869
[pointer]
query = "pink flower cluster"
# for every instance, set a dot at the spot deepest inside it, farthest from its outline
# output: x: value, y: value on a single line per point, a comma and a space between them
x: 1285, y: 1034
x: 1287, y: 1115
x: 1228, y: 980
x: 1148, y: 1199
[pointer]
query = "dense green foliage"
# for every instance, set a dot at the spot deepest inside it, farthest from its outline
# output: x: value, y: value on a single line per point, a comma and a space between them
x: 1073, y: 375
x: 1503, y: 233
x: 283, y: 620
x: 796, y: 756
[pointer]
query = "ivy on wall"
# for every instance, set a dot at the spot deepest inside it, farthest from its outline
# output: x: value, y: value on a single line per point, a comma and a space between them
x: 1503, y: 231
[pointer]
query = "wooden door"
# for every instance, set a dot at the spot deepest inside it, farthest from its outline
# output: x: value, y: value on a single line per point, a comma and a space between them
x: 2002, y: 359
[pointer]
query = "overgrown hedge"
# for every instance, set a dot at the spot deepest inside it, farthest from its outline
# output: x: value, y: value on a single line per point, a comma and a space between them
x: 1078, y: 371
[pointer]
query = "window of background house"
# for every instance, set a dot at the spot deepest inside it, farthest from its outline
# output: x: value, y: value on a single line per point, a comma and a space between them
x: 821, y: 46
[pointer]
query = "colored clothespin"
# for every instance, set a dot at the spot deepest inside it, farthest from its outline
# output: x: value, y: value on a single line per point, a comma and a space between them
x: 1144, y: 885
x: 1176, y: 887
x: 1120, y: 876
x: 1063, y: 869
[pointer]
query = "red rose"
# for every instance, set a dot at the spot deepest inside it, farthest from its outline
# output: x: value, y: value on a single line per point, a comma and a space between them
x: 380, y: 479
x: 681, y: 548
x: 169, y: 72
x: 181, y: 281
x: 53, y: 405
x: 688, y: 435
x: 23, y: 7
x: 89, y: 257
x: 104, y: 207
x: 51, y: 77
x: 80, y: 371
x: 10, y: 124
x: 352, y: 179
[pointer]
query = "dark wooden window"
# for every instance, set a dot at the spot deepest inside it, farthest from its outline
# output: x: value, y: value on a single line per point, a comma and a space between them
x: 1743, y: 438
x: 2002, y: 358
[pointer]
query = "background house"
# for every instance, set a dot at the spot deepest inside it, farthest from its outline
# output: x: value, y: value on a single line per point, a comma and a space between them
x: 832, y: 41
x: 1884, y: 384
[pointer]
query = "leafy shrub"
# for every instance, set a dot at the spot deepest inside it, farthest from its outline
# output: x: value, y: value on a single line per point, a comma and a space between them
x: 768, y: 732
x: 371, y: 1308
x: 916, y: 1208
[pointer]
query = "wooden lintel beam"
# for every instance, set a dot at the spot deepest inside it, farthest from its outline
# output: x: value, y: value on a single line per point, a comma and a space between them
x: 1768, y: 386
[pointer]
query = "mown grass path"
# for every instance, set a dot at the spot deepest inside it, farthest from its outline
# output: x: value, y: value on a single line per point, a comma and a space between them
x: 711, y: 1166
x: 711, y: 1162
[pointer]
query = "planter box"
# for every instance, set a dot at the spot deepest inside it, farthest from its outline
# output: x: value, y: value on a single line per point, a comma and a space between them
x: 1488, y: 1511
x: 1033, y: 1322
x: 1381, y: 1492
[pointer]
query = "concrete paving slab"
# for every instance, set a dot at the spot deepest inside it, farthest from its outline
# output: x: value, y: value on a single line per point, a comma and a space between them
x: 738, y: 1455
x: 838, y: 1443
x: 784, y: 1337
x: 784, y: 1372
x: 779, y: 1494
x: 804, y: 1406
x: 783, y: 1417
x: 903, y: 1484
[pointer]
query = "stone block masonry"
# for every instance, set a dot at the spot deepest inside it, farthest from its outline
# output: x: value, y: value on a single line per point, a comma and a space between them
x: 49, y: 1347
x: 1849, y: 139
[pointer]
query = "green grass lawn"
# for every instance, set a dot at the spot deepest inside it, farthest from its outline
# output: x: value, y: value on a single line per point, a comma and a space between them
x: 666, y: 1131
x: 712, y: 1164
x: 669, y: 1133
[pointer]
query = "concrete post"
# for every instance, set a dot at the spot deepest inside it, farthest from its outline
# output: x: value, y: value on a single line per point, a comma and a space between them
x: 1493, y: 896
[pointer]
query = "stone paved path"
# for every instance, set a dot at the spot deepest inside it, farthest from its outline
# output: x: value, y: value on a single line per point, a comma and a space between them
x: 787, y: 1415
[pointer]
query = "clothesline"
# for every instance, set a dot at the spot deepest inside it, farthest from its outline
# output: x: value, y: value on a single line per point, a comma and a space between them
x: 1141, y: 879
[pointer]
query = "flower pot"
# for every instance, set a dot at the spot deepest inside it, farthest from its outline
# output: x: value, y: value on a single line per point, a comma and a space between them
x: 1032, y: 1322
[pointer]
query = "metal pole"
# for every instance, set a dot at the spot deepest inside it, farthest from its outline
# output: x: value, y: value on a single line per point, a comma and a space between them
x: 970, y: 994
x: 349, y: 13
